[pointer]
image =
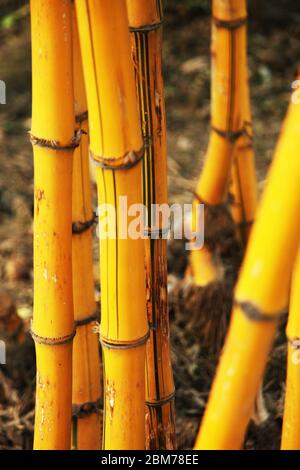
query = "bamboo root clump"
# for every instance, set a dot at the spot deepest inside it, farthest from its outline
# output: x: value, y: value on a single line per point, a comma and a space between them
x: 145, y: 20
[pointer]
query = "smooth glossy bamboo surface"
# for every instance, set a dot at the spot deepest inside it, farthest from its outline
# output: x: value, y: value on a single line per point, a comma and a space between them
x: 145, y: 21
x: 87, y: 373
x: 117, y: 148
x: 261, y: 297
x: 53, y: 141
x: 291, y: 429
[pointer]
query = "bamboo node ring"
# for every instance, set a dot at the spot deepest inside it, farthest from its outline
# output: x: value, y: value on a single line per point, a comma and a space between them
x: 157, y: 233
x: 246, y: 223
x: 220, y: 206
x: 162, y: 401
x: 52, y: 341
x: 146, y: 28
x: 230, y: 24
x: 81, y: 117
x: 87, y: 408
x: 110, y: 344
x: 54, y: 144
x: 232, y: 136
x: 90, y: 319
x: 253, y: 312
x: 79, y: 227
x: 129, y: 160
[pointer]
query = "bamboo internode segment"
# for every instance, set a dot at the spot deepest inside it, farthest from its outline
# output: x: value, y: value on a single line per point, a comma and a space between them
x: 55, y: 144
x: 263, y: 283
x: 52, y: 121
x: 291, y: 430
x: 123, y: 162
x: 227, y: 124
x: 145, y: 15
x: 114, y: 133
x: 79, y: 227
x: 230, y: 24
x: 87, y: 390
x: 145, y: 21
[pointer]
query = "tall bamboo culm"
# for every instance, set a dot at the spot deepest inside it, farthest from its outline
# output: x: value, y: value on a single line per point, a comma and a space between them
x: 53, y: 140
x: 228, y: 57
x: 290, y: 431
x: 243, y: 177
x: 87, y: 390
x: 145, y: 20
x: 117, y: 149
x: 261, y: 297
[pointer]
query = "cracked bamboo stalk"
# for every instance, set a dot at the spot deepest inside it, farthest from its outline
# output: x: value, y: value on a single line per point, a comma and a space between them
x: 291, y: 430
x: 117, y: 148
x: 52, y: 136
x: 86, y: 393
x: 228, y: 35
x: 261, y: 297
x: 145, y: 21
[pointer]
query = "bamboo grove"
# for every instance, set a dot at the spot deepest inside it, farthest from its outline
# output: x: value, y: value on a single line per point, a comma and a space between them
x: 104, y: 373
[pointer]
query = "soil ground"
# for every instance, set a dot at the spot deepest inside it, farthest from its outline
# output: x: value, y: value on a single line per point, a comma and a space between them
x: 274, y: 51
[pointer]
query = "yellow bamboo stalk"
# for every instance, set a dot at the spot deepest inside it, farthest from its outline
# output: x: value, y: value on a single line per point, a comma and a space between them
x: 117, y: 148
x: 291, y: 429
x: 53, y: 142
x: 86, y: 395
x: 228, y: 50
x: 261, y: 297
x: 145, y: 20
x: 243, y: 176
